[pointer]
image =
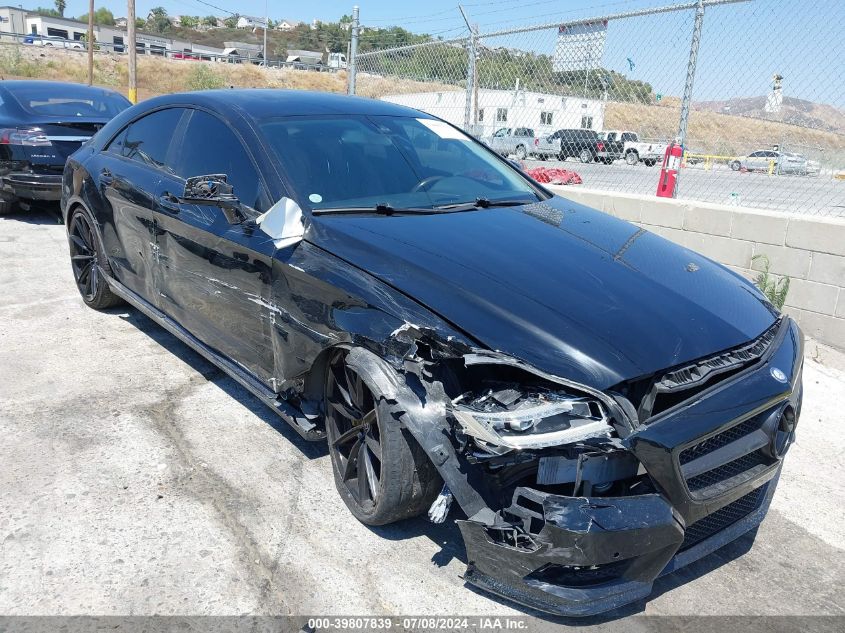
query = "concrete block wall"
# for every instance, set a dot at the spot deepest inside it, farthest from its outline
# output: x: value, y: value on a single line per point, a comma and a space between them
x: 810, y: 250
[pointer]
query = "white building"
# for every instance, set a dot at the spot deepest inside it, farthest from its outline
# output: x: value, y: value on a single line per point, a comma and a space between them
x: 287, y: 25
x: 249, y: 22
x: 12, y: 20
x: 544, y: 113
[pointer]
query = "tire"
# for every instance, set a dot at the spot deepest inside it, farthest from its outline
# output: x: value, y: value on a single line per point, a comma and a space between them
x: 406, y: 482
x: 632, y: 158
x: 607, y: 161
x: 735, y: 165
x: 650, y: 163
x: 7, y: 207
x: 585, y: 156
x: 88, y: 260
x: 520, y: 152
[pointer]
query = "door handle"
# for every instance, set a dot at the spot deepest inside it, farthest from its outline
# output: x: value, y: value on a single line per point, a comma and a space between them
x: 169, y: 202
x: 106, y: 177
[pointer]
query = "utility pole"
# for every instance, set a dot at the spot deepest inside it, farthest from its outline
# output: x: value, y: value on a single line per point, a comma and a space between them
x: 686, y: 100
x: 471, y: 75
x: 90, y: 42
x: 352, y: 62
x: 266, y: 20
x: 132, y: 50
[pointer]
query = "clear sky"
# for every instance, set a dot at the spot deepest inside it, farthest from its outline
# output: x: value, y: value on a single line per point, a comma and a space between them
x: 742, y: 45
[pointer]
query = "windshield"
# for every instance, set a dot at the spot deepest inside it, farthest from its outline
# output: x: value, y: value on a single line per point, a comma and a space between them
x: 71, y: 101
x: 401, y: 162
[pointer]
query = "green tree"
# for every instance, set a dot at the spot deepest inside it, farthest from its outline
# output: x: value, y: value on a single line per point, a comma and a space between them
x: 210, y: 21
x: 190, y: 21
x: 158, y: 20
x: 231, y: 22
x: 61, y: 5
x: 102, y: 16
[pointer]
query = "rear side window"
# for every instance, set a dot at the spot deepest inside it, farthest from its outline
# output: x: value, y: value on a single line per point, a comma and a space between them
x: 211, y: 147
x: 628, y: 136
x: 148, y: 139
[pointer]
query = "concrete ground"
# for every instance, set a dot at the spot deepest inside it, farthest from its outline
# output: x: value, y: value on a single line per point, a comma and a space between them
x: 135, y: 478
x: 814, y: 195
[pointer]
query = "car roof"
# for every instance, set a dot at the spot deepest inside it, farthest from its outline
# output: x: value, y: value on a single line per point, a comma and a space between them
x: 261, y: 103
x: 12, y: 84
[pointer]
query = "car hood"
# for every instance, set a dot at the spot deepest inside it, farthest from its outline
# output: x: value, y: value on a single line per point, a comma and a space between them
x: 567, y: 289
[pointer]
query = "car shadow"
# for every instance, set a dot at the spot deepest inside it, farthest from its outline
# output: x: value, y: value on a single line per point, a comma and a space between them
x: 41, y: 214
x: 311, y: 450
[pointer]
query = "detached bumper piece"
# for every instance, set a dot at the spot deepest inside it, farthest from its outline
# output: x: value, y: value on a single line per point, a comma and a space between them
x: 580, y: 556
x: 32, y: 186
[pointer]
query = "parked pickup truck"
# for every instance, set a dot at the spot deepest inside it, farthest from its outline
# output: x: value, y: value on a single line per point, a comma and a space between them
x: 574, y: 142
x: 507, y: 141
x: 616, y: 144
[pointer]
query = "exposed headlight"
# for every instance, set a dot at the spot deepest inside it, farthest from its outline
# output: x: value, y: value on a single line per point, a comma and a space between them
x: 530, y: 418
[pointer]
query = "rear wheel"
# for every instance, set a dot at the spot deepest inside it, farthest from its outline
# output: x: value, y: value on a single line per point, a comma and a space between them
x: 735, y: 165
x: 520, y: 152
x: 585, y: 156
x: 632, y: 158
x: 88, y: 261
x: 380, y: 471
x: 7, y: 207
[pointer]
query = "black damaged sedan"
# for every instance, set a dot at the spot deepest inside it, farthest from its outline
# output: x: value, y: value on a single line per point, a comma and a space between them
x: 603, y: 405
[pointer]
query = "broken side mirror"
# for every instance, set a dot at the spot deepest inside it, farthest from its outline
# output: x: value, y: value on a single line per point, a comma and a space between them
x: 214, y: 189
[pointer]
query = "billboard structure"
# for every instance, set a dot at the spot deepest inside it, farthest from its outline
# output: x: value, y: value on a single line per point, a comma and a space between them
x: 579, y: 46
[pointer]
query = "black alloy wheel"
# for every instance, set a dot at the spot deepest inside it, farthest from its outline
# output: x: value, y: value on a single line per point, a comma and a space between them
x: 354, y: 436
x: 87, y: 262
x: 380, y: 471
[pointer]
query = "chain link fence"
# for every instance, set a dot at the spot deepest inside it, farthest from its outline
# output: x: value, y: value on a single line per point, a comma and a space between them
x: 765, y: 125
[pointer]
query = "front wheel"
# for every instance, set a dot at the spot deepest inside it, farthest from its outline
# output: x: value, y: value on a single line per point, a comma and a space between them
x: 735, y: 165
x: 632, y: 158
x: 520, y: 152
x: 585, y: 156
x: 380, y: 471
x: 88, y: 262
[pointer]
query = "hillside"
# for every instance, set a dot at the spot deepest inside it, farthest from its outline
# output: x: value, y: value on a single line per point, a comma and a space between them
x: 817, y: 116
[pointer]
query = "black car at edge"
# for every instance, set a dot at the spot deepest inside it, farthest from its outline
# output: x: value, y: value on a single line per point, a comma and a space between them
x: 604, y: 405
x: 41, y: 124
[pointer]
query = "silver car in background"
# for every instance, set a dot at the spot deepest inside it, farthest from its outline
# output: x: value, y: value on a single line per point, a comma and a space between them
x: 777, y: 162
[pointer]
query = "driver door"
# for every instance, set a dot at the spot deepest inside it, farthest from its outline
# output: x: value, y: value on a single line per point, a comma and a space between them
x: 215, y: 271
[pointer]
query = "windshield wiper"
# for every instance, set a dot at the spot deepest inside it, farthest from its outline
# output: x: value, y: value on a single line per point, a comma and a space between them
x: 381, y: 209
x: 484, y: 203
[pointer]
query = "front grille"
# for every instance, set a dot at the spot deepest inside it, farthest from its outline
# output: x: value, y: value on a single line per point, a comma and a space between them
x: 740, y: 461
x: 743, y: 465
x: 725, y: 517
x: 724, y: 438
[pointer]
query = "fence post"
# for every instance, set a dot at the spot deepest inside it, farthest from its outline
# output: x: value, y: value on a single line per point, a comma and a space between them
x: 351, y: 65
x: 468, y: 114
x: 686, y: 101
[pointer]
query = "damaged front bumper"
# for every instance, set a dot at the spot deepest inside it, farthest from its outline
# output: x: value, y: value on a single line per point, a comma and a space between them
x: 594, y: 554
